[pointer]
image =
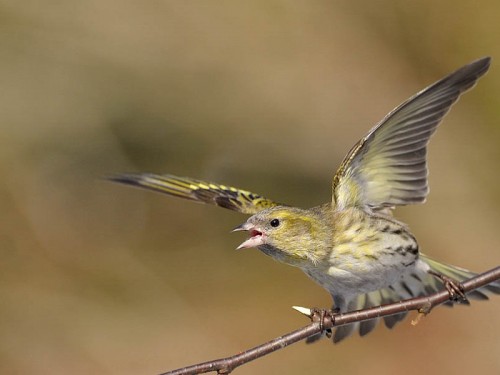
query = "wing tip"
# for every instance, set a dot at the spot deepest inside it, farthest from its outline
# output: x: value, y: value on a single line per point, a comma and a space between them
x: 127, y: 178
x: 483, y: 63
x: 468, y: 75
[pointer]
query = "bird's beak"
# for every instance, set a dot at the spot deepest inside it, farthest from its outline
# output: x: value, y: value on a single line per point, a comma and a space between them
x: 256, y: 236
x: 244, y: 226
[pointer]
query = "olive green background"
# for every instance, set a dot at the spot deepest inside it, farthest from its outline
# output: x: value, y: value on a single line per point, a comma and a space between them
x: 98, y: 278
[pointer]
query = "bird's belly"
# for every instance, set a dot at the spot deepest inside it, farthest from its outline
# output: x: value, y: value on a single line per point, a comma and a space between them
x: 368, y: 263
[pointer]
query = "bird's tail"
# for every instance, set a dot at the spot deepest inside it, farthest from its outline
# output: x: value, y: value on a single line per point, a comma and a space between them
x: 415, y: 285
x: 458, y: 274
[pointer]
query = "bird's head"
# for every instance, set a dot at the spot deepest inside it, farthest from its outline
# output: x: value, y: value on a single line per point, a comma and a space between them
x: 288, y: 234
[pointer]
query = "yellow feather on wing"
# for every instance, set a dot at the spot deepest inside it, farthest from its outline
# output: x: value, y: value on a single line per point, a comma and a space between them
x: 199, y: 191
x: 388, y: 167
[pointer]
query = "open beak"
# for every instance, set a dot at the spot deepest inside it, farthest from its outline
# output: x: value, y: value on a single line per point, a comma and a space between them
x: 256, y: 236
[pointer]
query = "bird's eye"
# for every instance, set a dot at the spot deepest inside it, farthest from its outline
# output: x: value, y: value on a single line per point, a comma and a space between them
x: 275, y: 223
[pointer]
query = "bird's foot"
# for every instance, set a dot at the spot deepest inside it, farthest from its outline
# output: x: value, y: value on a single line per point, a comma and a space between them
x: 454, y: 288
x: 321, y: 315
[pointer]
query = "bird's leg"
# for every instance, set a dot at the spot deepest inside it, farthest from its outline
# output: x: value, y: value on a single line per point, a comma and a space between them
x: 454, y: 288
x: 319, y: 315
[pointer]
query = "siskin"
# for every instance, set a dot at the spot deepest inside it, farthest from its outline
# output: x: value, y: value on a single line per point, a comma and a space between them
x: 353, y: 246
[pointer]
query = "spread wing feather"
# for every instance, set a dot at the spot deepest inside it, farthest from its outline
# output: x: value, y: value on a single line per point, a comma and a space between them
x: 200, y: 191
x: 388, y: 167
x: 414, y: 285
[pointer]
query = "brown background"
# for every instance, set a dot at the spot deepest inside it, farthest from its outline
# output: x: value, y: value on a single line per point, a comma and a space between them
x: 97, y: 278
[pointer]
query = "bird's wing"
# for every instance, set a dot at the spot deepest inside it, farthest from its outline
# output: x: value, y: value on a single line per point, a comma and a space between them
x: 411, y: 286
x: 388, y: 167
x: 201, y: 191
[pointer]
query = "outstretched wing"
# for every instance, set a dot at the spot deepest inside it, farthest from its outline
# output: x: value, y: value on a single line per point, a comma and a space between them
x: 388, y: 167
x: 200, y: 191
x: 411, y: 286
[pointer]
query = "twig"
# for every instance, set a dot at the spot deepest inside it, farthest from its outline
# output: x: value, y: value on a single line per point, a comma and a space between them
x: 422, y: 304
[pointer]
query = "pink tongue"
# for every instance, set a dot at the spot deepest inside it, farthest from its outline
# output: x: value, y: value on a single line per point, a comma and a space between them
x: 254, y: 233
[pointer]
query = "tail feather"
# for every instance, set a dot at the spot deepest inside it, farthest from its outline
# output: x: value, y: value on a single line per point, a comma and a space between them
x: 416, y: 285
x: 459, y: 274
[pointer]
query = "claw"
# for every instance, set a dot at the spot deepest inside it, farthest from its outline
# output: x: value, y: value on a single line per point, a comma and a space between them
x: 319, y: 315
x: 454, y: 288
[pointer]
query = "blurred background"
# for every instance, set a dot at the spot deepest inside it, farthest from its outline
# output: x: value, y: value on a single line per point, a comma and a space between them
x: 98, y: 278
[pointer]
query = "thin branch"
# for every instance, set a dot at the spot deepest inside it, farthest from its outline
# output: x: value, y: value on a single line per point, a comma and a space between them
x: 421, y: 304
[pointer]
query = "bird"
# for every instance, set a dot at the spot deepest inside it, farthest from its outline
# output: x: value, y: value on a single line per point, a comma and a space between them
x: 352, y: 245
